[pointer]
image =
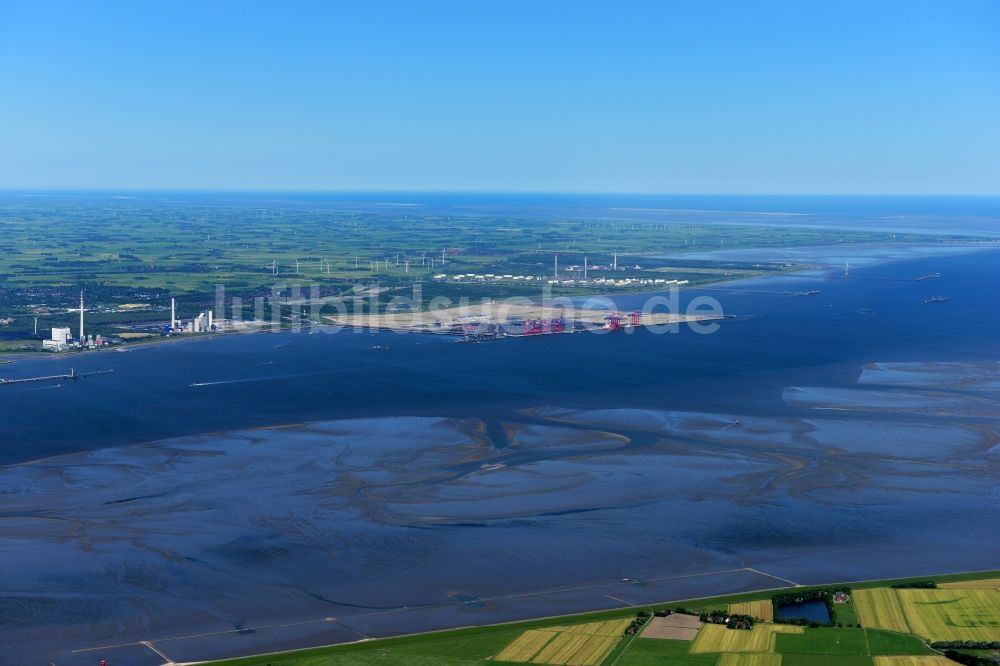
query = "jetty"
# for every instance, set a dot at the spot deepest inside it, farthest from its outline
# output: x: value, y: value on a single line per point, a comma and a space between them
x: 72, y: 375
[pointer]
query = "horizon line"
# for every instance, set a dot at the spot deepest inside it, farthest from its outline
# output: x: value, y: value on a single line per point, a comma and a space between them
x: 503, y: 192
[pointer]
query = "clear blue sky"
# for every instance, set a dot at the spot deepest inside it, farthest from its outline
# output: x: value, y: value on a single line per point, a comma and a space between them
x: 802, y: 96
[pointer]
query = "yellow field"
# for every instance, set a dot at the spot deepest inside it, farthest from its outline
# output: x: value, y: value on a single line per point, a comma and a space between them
x: 612, y: 628
x: 762, y: 609
x: 526, y: 646
x: 578, y: 649
x: 972, y: 584
x: 573, y: 645
x: 561, y: 649
x: 749, y: 660
x: 961, y: 615
x: 717, y: 638
x: 879, y: 608
x: 914, y: 661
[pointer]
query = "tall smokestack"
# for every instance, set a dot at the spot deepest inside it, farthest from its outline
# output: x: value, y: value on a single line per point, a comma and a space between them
x: 81, y: 317
x: 173, y: 314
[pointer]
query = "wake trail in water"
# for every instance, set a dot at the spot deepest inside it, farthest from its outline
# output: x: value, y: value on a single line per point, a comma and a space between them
x: 260, y: 379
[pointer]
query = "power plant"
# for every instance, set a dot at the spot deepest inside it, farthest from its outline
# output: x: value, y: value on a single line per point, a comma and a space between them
x: 204, y: 322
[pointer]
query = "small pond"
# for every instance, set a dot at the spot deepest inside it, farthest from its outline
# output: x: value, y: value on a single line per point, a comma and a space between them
x: 813, y: 610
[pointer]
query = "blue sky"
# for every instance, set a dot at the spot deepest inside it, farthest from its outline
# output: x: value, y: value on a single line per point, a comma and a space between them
x: 836, y: 97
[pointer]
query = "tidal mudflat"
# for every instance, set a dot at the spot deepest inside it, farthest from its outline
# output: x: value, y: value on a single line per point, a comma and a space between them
x: 298, y: 533
x: 431, y: 485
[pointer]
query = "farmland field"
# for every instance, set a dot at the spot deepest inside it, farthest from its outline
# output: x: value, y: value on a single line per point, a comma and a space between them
x: 611, y: 629
x: 568, y: 648
x: 749, y: 660
x: 942, y: 615
x: 823, y: 660
x: 987, y: 583
x: 935, y: 660
x: 879, y: 608
x: 526, y: 646
x: 762, y: 609
x: 889, y: 642
x: 576, y: 645
x: 659, y: 652
x: 824, y: 640
x: 717, y: 638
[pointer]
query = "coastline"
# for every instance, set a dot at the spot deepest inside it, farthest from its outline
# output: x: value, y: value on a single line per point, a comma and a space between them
x: 457, y: 633
x: 801, y: 273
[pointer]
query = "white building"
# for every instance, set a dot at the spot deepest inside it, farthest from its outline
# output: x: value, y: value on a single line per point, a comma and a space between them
x: 59, y: 340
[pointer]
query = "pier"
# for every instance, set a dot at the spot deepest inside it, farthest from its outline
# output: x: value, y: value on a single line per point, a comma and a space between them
x: 72, y: 375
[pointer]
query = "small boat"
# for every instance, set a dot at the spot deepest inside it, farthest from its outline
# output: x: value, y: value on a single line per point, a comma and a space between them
x: 936, y: 299
x: 811, y: 292
x: 929, y: 276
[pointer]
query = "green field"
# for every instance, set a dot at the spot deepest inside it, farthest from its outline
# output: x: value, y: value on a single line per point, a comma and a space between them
x: 714, y: 645
x: 823, y: 660
x: 847, y: 614
x: 658, y: 652
x: 890, y: 643
x: 824, y: 640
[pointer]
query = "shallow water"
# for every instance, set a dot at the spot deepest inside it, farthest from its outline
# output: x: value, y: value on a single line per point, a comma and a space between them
x: 433, y: 484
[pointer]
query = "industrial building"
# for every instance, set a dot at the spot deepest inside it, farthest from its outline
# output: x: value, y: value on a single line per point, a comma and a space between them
x: 59, y: 341
x: 203, y: 323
